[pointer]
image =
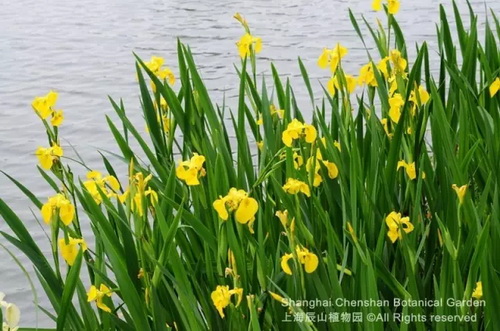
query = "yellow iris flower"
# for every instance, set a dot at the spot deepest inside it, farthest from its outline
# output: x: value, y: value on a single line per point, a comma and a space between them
x: 494, y: 87
x: 306, y: 258
x: 69, y: 250
x: 478, y: 291
x: 48, y: 156
x: 395, y: 222
x: 283, y: 217
x: 398, y: 61
x: 139, y: 183
x: 337, y: 145
x: 410, y: 169
x: 395, y: 103
x: 367, y: 75
x: 333, y: 84
x: 247, y: 44
x: 58, y: 205
x: 383, y: 68
x: 98, y: 295
x: 296, y: 130
x: 44, y: 107
x: 298, y: 160
x: 155, y: 65
x: 461, y: 191
x: 190, y: 171
x: 331, y: 57
x: 275, y: 111
x: 244, y: 207
x: 109, y: 185
x: 57, y: 118
x: 392, y: 6
x: 422, y: 94
x: 166, y: 74
x: 294, y: 186
x: 419, y: 96
x: 313, y: 166
x: 221, y: 297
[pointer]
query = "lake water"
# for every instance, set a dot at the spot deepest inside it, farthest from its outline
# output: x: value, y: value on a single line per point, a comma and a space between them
x: 83, y: 50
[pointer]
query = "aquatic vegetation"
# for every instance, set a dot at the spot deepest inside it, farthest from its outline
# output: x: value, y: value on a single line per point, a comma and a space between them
x: 389, y: 192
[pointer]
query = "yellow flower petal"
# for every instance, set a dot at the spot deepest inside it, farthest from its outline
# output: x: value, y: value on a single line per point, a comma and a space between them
x: 395, y: 56
x: 284, y: 263
x: 310, y: 262
x: 44, y: 157
x: 287, y: 139
x: 112, y: 182
x: 410, y: 171
x: 478, y: 291
x: 258, y: 45
x: 460, y: 191
x: 47, y: 213
x: 393, y: 6
x: 494, y: 87
x: 317, y: 180
x: 339, y: 51
x: 220, y: 298
x: 333, y: 171
x: 283, y: 217
x: 323, y: 59
x: 220, y: 206
x: 92, y: 294
x: 239, y: 293
x: 310, y: 133
x: 67, y: 213
x: 103, y: 306
x: 330, y: 86
x: 279, y: 298
x: 69, y: 251
x: 377, y: 5
x: 392, y: 220
x: 94, y: 174
x: 393, y: 235
x: 304, y: 188
x: 56, y: 150
x: 395, y: 222
x: 395, y: 102
x: 294, y: 186
x: 246, y: 210
x: 406, y: 225
x: 105, y: 290
x: 57, y: 118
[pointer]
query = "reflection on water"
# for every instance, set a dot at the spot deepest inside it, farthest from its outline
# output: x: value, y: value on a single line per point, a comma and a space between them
x: 84, y: 51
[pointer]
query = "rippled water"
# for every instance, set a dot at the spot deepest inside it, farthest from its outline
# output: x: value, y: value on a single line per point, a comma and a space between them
x: 84, y: 49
